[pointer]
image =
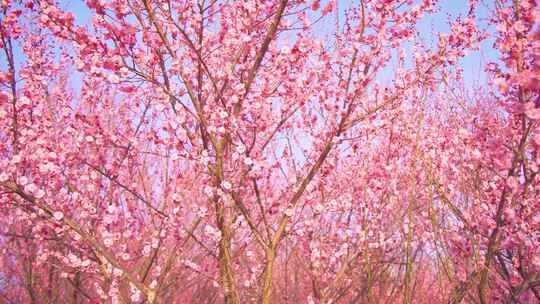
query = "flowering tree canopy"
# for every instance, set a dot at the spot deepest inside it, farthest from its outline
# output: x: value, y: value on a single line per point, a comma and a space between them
x: 268, y: 151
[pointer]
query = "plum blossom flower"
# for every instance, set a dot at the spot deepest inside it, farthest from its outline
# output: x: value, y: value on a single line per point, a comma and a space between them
x: 202, y: 212
x: 519, y: 26
x: 536, y: 261
x: 31, y: 188
x: 289, y: 212
x: 248, y: 161
x: 108, y: 242
x: 208, y: 190
x: 117, y: 272
x: 136, y: 296
x: 509, y: 214
x: 226, y: 185
x: 213, y: 233
x: 315, y: 5
x: 240, y: 149
x: 114, y: 79
x: 58, y: 215
x: 39, y: 194
x: 23, y: 180
x: 147, y: 250
x: 176, y: 197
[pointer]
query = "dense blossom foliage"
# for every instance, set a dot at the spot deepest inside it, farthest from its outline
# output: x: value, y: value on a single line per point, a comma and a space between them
x: 267, y: 151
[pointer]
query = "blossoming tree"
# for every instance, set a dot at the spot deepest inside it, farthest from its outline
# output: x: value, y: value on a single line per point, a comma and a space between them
x: 266, y: 151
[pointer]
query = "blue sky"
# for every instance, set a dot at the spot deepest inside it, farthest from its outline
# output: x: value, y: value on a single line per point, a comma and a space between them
x: 472, y: 64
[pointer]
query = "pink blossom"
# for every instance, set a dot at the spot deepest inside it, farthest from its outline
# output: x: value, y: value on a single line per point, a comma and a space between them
x: 39, y: 194
x: 58, y: 215
x: 226, y: 185
x: 23, y: 180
